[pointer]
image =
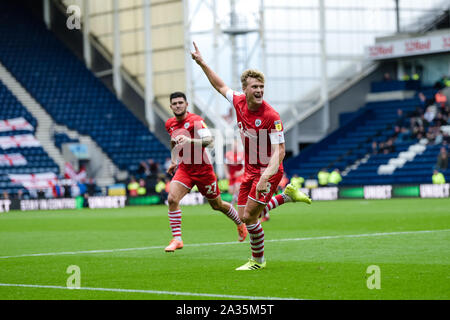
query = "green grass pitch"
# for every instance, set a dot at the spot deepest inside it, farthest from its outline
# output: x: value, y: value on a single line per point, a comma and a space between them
x: 321, y: 251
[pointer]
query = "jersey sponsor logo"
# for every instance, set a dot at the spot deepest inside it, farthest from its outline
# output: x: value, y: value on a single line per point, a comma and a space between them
x: 278, y: 125
x: 257, y: 122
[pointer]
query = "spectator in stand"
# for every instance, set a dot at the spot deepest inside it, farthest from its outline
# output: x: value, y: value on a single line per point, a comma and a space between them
x: 389, y: 146
x: 387, y: 77
x: 442, y: 160
x: 19, y: 195
x: 381, y: 147
x: 143, y: 169
x: 403, y: 136
x: 133, y: 187
x: 154, y: 167
x: 91, y: 187
x: 5, y: 195
x: 41, y: 194
x: 440, y: 120
x: 439, y: 137
x: 374, y: 147
x: 423, y: 99
x: 441, y: 99
x: 167, y: 164
x: 400, y: 122
x: 445, y: 138
x: 430, y: 113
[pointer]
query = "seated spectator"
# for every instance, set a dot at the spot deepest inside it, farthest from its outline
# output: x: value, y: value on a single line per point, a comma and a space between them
x: 440, y: 120
x: 374, y: 147
x: 400, y: 122
x: 389, y: 146
x: 442, y: 160
x: 445, y: 138
x: 403, y: 136
x: 5, y: 195
x: 439, y: 137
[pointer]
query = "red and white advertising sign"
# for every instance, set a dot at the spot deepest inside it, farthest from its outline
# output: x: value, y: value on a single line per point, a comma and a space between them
x: 409, y: 47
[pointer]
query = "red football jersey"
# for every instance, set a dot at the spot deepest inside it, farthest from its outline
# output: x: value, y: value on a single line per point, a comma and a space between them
x: 192, y: 157
x: 234, y: 161
x: 259, y: 130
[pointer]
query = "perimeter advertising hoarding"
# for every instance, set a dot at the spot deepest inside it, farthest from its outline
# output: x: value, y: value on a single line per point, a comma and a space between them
x: 316, y: 194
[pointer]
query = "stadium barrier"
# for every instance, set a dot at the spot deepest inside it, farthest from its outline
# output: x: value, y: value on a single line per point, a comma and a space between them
x: 195, y: 198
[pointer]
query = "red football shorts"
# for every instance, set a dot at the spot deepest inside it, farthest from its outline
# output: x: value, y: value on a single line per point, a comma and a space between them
x: 248, y: 188
x: 235, y: 179
x: 206, y: 182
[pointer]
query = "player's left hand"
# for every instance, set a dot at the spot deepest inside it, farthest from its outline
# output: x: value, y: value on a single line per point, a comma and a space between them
x: 262, y: 186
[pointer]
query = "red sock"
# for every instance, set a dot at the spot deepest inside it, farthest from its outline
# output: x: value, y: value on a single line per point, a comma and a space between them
x: 276, y: 201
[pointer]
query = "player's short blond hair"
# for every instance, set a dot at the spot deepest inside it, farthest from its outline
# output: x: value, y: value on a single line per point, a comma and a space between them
x: 251, y: 73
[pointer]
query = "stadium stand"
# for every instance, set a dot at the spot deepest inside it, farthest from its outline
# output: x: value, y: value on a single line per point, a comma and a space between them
x: 70, y: 93
x: 17, y: 154
x: 349, y: 148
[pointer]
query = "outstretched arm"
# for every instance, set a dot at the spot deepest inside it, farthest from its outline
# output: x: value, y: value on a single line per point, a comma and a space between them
x: 213, y: 78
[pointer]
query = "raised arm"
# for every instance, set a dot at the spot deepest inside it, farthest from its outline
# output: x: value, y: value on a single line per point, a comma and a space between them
x: 213, y: 78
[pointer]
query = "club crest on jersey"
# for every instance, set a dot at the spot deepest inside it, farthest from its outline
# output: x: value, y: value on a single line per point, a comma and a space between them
x: 257, y: 122
x: 186, y: 125
x: 278, y: 125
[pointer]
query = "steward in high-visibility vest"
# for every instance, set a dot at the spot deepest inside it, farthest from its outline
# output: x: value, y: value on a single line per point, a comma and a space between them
x: 335, y: 177
x: 323, y: 177
x: 438, y: 177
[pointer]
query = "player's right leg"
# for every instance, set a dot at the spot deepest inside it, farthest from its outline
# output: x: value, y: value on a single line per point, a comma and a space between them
x: 289, y: 194
x: 177, y: 191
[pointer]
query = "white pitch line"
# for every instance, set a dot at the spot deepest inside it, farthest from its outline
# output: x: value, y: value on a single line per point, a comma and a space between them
x: 378, y: 234
x: 175, y: 293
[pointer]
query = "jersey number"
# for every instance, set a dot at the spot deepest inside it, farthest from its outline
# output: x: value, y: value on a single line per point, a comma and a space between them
x: 211, y: 188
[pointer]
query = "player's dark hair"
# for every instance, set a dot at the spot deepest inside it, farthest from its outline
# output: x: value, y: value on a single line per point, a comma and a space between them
x: 177, y: 94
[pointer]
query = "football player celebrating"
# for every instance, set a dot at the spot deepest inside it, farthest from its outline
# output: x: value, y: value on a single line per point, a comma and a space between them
x: 234, y: 167
x: 262, y: 135
x: 189, y: 138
